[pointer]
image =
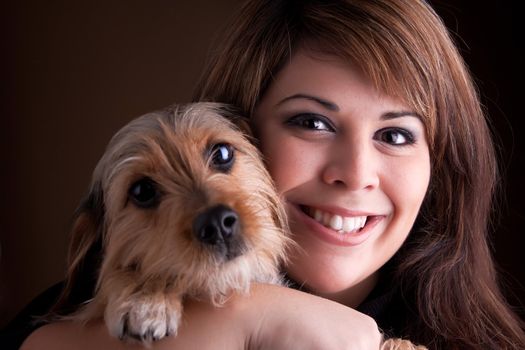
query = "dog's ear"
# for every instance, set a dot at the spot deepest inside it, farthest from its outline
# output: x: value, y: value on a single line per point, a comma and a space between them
x: 88, y: 226
x: 84, y: 254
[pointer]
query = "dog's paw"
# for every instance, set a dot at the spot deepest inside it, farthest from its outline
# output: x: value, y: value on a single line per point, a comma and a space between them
x: 144, y: 318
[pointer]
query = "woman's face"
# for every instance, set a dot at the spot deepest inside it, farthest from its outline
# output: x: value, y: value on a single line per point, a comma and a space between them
x: 353, y: 166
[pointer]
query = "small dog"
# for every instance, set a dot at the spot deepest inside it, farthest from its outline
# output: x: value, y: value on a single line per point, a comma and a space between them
x: 180, y: 205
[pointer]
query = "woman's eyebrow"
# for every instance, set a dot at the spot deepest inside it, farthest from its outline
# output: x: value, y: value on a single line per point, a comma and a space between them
x: 326, y: 104
x: 334, y: 107
x: 394, y: 115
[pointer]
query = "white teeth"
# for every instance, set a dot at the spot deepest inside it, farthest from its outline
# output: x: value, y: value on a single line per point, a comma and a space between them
x: 336, y: 222
x: 318, y: 215
x: 349, y: 224
x: 326, y: 219
x: 339, y: 223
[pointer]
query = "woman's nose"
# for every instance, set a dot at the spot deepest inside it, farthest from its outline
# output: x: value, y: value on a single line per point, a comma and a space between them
x: 353, y: 166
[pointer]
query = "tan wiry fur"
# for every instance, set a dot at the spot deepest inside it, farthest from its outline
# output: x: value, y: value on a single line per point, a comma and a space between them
x: 151, y: 258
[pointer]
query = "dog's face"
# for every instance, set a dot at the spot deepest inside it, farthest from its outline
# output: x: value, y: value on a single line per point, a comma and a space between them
x: 183, y: 194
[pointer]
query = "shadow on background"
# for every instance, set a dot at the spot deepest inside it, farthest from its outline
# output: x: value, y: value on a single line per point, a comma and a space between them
x: 73, y: 73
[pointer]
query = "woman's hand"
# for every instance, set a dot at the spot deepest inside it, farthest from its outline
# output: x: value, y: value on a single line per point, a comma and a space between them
x: 270, y: 317
x: 289, y: 319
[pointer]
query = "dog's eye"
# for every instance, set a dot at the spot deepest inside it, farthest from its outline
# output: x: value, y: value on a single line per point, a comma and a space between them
x: 144, y: 193
x: 222, y: 156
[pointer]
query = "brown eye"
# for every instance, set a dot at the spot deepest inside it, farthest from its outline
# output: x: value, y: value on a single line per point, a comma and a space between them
x: 311, y: 122
x: 144, y: 193
x: 395, y: 137
x: 222, y: 157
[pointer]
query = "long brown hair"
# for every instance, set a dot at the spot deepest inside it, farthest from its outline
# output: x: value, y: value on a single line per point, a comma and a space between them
x: 403, y: 46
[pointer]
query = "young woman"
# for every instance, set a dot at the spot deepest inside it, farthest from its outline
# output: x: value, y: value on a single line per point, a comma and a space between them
x: 373, y: 132
x: 294, y: 61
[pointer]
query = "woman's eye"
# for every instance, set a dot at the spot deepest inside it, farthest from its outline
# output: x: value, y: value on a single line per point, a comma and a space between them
x: 396, y: 137
x: 222, y: 156
x: 144, y: 193
x: 311, y: 122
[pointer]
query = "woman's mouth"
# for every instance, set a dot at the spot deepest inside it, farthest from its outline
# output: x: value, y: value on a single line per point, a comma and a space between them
x: 341, y: 224
x: 339, y: 227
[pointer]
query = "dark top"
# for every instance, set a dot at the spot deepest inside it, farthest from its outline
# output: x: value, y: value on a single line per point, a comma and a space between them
x: 384, y: 304
x: 28, y: 320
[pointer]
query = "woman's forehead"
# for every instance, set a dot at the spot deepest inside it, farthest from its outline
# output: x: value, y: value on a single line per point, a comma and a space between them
x: 310, y: 70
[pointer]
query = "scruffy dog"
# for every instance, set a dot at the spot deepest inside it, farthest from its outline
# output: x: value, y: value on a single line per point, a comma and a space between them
x: 180, y: 204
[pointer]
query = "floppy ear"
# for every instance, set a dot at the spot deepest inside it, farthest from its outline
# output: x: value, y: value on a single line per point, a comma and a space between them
x: 84, y: 254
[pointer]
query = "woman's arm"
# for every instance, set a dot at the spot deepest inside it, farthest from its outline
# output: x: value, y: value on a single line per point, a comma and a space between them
x: 290, y: 319
x: 203, y: 327
x: 270, y: 317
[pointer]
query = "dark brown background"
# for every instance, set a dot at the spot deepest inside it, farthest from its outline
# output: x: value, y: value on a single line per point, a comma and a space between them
x: 73, y: 73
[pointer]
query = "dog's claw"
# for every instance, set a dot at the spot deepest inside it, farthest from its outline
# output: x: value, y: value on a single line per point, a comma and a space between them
x: 147, y: 336
x: 143, y: 320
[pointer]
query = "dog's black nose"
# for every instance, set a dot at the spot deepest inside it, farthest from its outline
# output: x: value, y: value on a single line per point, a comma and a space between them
x: 216, y: 225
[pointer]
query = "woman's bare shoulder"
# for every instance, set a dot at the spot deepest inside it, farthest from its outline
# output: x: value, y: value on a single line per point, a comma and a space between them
x: 73, y: 335
x: 46, y: 336
x: 202, y: 321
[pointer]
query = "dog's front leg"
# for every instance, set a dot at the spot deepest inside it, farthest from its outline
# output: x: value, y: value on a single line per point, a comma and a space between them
x: 146, y: 312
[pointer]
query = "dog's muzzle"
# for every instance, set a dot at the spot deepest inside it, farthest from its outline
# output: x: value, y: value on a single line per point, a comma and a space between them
x: 218, y: 228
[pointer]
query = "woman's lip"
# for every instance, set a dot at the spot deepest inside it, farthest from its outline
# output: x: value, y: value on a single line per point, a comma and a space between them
x: 330, y: 236
x: 337, y: 211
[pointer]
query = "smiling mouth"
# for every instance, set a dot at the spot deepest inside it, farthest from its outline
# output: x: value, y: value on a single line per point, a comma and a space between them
x: 341, y: 224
